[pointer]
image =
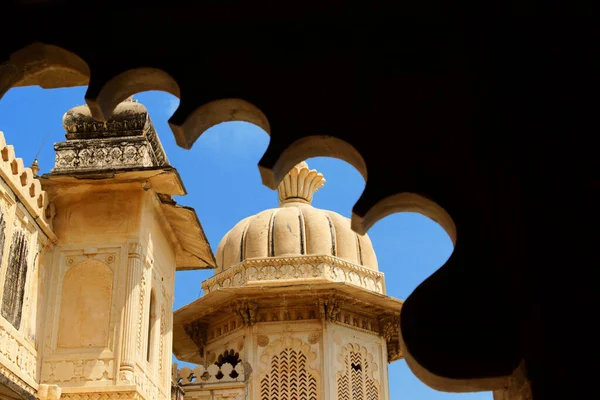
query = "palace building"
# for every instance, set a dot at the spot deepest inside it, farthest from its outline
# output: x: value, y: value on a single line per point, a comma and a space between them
x: 296, y: 309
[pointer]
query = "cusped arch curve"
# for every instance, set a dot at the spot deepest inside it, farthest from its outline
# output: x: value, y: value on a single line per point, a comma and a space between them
x: 187, y: 127
x: 278, y: 160
x: 102, y: 97
x: 48, y: 66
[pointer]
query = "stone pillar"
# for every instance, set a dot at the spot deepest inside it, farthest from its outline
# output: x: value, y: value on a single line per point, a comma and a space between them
x: 168, y: 354
x: 49, y: 392
x: 132, y: 301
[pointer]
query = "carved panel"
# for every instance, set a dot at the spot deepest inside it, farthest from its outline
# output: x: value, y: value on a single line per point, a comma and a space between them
x: 286, y: 370
x: 289, y: 377
x: 16, y: 379
x: 94, y: 154
x: 149, y: 388
x: 104, y: 396
x: 16, y: 355
x: 77, y: 371
x: 85, y: 305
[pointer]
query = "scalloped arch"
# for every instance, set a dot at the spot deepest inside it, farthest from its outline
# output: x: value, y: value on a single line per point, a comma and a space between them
x: 45, y: 65
x: 102, y: 98
x: 188, y: 128
x: 276, y: 163
x: 401, y: 202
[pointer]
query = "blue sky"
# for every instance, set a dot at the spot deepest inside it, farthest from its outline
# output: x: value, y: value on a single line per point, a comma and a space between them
x: 224, y: 186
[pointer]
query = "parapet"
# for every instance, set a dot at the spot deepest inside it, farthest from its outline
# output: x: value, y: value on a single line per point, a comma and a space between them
x: 25, y: 186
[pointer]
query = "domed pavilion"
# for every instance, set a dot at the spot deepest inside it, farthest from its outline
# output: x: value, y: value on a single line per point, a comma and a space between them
x: 296, y: 309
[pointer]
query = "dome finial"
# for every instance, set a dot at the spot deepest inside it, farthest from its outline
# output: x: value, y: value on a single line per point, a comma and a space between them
x: 300, y: 184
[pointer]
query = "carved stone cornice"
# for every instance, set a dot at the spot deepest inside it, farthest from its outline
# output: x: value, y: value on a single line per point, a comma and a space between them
x: 196, y: 330
x: 329, y: 307
x: 246, y: 310
x: 301, y: 269
x: 390, y: 330
x: 134, y: 395
x: 95, y: 154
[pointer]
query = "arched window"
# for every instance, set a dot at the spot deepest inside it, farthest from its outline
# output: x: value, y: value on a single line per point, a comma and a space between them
x: 288, y: 375
x: 356, y: 381
x: 151, y: 325
x: 14, y: 282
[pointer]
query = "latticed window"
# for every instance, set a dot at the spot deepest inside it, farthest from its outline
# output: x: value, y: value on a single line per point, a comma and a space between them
x: 288, y: 378
x: 14, y: 283
x: 356, y: 382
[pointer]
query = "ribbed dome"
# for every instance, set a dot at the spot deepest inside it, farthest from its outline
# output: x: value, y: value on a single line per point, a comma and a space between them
x: 295, y: 229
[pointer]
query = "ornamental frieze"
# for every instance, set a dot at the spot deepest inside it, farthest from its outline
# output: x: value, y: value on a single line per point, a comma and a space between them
x: 94, y: 154
x: 322, y: 268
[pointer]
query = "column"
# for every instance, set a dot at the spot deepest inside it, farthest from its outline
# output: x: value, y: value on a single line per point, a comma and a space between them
x: 169, y: 336
x: 132, y: 305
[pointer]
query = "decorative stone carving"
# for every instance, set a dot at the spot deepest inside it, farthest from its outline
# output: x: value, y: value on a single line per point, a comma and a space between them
x: 299, y: 304
x: 105, y: 396
x: 213, y: 374
x: 357, y: 380
x: 262, y: 340
x: 95, y: 154
x: 300, y: 184
x: 314, y: 337
x: 286, y: 370
x: 17, y: 356
x: 129, y: 120
x: 390, y: 327
x: 318, y: 268
x: 196, y: 331
x: 390, y: 330
x: 149, y: 388
x: 329, y: 308
x: 79, y: 370
x: 246, y: 310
